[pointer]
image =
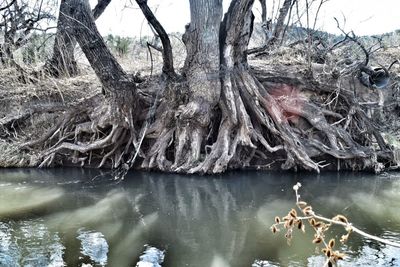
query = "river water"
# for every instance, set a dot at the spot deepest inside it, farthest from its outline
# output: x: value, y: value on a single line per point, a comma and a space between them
x: 74, y: 217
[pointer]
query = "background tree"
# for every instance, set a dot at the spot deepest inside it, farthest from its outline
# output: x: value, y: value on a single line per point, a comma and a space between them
x: 18, y: 19
x: 280, y: 23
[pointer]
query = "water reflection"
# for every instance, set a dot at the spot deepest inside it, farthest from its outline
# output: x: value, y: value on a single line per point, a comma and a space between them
x: 29, y: 243
x: 198, y: 221
x: 151, y: 257
x: 21, y: 200
x: 94, y: 245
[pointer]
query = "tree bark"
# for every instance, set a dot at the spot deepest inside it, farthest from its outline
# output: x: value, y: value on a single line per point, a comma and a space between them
x: 63, y: 63
x: 119, y: 86
x: 203, y: 52
x: 203, y: 81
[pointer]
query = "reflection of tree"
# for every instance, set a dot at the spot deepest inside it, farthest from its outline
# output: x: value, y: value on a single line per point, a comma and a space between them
x: 203, y: 219
x: 195, y: 207
x: 200, y: 221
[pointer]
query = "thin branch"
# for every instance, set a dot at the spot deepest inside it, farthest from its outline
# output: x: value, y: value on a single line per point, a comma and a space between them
x: 8, y: 5
x: 355, y: 40
x: 168, y: 66
x: 344, y: 223
x: 357, y: 230
x: 99, y: 8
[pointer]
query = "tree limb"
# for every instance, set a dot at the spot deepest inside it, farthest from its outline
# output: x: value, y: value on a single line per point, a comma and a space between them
x: 99, y: 8
x: 168, y: 67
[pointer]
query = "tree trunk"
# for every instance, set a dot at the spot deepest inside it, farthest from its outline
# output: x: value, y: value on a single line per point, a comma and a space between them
x: 280, y: 23
x: 200, y: 93
x: 203, y: 52
x: 264, y: 23
x: 110, y: 119
x: 63, y: 63
x: 99, y: 8
x: 6, y: 55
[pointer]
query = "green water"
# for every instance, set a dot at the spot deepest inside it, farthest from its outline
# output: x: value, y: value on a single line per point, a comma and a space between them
x: 70, y: 217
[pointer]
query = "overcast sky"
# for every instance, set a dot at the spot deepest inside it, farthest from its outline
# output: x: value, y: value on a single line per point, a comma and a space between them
x: 365, y: 17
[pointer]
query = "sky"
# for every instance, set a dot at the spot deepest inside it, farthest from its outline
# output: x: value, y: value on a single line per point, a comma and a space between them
x: 364, y: 17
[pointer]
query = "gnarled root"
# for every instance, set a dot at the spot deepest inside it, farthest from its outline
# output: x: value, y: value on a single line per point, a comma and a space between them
x: 279, y: 122
x: 94, y: 131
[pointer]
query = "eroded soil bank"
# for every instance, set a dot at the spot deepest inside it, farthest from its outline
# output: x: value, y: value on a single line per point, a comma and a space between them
x: 304, y: 93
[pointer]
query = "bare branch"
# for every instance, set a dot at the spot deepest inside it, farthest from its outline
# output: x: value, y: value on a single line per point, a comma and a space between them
x: 99, y: 8
x: 353, y: 38
x: 8, y: 5
x: 168, y: 67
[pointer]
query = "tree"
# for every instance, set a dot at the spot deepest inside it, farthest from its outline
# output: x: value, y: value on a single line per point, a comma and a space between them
x: 19, y: 19
x: 265, y: 24
x: 280, y: 23
x: 62, y: 62
x: 217, y: 114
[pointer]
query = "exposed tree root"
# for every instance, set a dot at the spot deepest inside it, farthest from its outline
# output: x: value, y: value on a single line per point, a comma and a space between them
x: 254, y: 124
x: 220, y: 114
x: 94, y: 131
x: 300, y: 131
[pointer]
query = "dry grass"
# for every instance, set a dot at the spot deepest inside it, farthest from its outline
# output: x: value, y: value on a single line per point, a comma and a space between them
x: 16, y: 97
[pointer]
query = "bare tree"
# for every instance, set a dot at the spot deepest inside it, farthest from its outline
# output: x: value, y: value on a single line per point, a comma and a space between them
x: 278, y: 30
x: 18, y: 19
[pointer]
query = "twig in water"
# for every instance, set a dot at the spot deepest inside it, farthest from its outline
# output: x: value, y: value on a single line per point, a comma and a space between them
x: 321, y: 224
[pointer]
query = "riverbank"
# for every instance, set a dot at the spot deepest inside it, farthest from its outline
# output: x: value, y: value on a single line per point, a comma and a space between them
x: 29, y: 109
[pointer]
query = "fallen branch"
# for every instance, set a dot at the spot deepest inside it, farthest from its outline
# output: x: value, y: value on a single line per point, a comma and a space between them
x: 321, y: 224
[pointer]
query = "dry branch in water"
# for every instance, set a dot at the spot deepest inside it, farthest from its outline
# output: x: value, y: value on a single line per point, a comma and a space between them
x: 321, y: 225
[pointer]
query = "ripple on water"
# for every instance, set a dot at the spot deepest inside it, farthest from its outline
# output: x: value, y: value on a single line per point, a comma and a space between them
x: 29, y: 243
x: 9, y: 252
x: 261, y: 263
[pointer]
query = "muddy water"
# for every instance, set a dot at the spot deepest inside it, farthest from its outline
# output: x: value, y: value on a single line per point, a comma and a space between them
x: 70, y: 217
